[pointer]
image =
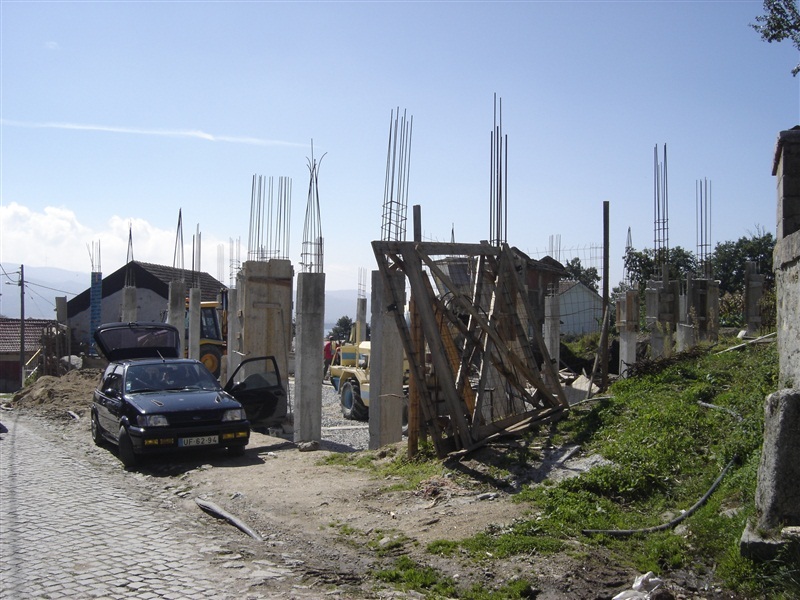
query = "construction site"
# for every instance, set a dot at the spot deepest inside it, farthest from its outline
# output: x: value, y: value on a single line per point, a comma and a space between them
x: 465, y: 353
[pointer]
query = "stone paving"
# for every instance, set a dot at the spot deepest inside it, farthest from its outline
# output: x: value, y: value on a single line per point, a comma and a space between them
x: 71, y: 530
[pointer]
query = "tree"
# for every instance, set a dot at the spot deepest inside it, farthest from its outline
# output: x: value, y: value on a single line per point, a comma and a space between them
x: 588, y: 277
x: 341, y: 331
x: 642, y: 266
x: 729, y: 260
x: 780, y: 22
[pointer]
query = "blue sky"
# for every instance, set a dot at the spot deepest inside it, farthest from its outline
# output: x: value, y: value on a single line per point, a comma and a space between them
x: 117, y: 115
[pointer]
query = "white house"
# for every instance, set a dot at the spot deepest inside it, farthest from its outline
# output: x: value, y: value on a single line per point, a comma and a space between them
x: 581, y: 308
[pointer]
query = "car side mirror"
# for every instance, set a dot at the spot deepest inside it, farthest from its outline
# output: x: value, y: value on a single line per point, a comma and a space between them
x: 111, y: 392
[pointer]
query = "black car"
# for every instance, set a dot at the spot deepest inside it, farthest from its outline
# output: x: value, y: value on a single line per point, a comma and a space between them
x: 150, y: 401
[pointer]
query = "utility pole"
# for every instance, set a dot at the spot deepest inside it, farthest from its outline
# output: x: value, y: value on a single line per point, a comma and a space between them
x: 606, y: 319
x: 21, y: 326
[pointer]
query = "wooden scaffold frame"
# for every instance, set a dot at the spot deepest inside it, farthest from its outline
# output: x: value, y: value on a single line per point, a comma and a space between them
x: 478, y: 365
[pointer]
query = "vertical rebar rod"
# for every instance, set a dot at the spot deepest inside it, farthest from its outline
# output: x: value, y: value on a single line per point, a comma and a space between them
x: 396, y: 182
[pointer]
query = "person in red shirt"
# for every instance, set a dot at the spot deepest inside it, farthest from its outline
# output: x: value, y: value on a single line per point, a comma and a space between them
x: 327, y: 355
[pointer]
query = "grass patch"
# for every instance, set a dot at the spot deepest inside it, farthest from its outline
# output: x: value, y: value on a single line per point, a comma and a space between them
x: 667, y: 435
x: 392, y: 463
x: 407, y: 575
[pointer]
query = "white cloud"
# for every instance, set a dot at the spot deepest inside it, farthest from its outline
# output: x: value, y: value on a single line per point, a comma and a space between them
x: 55, y: 237
x: 185, y: 133
x: 52, y: 237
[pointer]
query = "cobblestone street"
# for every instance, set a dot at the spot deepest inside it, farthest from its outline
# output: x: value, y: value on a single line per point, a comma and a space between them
x: 72, y: 529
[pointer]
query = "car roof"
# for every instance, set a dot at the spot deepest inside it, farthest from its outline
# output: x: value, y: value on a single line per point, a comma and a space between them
x: 157, y: 361
x: 120, y: 341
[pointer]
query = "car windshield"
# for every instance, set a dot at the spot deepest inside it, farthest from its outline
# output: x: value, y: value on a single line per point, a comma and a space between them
x: 168, y: 376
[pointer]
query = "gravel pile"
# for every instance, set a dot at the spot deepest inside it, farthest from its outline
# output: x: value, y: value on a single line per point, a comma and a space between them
x: 338, y: 434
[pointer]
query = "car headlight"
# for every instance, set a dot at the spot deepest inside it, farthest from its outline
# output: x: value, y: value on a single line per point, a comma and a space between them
x: 234, y: 414
x: 152, y: 421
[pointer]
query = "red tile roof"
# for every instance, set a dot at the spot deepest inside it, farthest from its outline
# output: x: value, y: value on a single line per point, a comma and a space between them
x: 9, y: 334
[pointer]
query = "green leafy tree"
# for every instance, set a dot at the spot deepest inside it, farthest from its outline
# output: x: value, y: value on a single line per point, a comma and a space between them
x: 588, y: 277
x: 341, y: 331
x: 641, y: 265
x: 781, y: 21
x: 729, y: 260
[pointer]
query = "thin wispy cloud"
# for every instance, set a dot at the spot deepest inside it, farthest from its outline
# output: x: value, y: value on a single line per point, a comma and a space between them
x: 174, y: 133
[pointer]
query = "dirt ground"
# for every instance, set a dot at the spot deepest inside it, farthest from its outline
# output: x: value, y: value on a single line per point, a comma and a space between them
x: 347, y: 523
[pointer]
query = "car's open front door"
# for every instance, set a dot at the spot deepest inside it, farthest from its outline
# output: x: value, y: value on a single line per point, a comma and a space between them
x: 256, y: 384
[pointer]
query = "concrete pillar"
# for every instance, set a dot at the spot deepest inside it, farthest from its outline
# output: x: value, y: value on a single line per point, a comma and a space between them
x: 628, y: 326
x: 552, y: 328
x: 61, y: 309
x: 234, y: 332
x: 386, y: 366
x: 176, y: 308
x: 786, y: 169
x: 361, y: 320
x: 128, y: 304
x: 786, y: 257
x: 193, y: 337
x: 753, y: 291
x: 778, y: 489
x: 309, y: 332
x: 265, y: 297
x: 661, y: 301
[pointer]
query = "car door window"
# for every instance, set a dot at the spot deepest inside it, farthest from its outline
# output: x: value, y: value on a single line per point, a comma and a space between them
x: 114, y: 384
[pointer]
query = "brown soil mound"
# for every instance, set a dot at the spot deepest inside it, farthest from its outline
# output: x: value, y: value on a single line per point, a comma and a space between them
x: 50, y: 395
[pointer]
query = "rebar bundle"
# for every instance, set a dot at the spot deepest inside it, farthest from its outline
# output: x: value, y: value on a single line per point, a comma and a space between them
x: 498, y: 179
x: 270, y: 218
x: 235, y: 261
x: 312, y: 253
x: 398, y: 170
x: 660, y: 211
x: 703, y: 201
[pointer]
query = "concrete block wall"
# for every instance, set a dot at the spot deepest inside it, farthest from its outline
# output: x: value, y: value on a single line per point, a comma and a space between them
x: 778, y: 492
x: 786, y: 257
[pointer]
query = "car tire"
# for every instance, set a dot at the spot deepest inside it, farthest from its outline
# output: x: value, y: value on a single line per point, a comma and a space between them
x: 97, y: 431
x: 126, y: 453
x: 235, y: 450
x: 352, y: 406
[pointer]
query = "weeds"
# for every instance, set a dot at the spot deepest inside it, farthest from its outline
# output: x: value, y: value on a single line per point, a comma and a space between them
x: 666, y: 435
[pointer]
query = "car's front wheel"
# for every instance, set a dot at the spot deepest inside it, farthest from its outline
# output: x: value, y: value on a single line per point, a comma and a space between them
x: 97, y: 431
x: 126, y: 453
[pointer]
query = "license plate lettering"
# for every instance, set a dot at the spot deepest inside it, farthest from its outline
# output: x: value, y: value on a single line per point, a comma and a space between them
x: 206, y: 440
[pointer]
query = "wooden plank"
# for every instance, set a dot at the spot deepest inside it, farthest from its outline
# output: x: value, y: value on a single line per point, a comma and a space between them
x: 421, y: 287
x: 415, y: 364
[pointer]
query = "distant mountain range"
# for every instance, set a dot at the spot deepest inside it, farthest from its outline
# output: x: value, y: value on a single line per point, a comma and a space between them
x: 44, y: 284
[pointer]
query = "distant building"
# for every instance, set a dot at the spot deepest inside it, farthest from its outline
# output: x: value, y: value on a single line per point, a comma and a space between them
x: 581, y: 309
x: 10, y: 368
x: 540, y: 278
x: 152, y: 295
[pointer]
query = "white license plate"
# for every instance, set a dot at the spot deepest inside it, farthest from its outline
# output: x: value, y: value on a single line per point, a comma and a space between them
x: 206, y: 440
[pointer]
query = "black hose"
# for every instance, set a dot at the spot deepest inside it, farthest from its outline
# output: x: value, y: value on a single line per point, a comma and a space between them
x: 673, y: 522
